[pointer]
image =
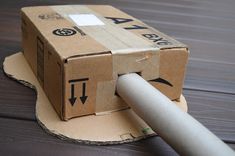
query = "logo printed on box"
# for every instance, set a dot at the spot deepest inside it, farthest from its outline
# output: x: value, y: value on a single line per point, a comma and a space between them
x: 64, y: 32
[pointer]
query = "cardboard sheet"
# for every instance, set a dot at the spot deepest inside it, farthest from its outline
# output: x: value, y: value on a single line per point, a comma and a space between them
x: 110, y: 128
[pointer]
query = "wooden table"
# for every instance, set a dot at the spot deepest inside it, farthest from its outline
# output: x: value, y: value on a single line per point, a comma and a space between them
x: 206, y: 26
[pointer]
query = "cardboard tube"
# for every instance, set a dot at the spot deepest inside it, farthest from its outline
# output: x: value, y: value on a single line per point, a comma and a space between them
x: 181, y: 131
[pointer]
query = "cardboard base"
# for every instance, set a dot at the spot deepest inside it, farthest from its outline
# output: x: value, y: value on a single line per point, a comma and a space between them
x: 105, y: 128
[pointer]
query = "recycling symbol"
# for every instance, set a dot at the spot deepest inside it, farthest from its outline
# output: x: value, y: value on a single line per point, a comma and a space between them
x: 64, y: 32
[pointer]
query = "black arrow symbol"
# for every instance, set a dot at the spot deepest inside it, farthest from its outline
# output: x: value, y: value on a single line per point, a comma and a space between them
x: 83, y: 98
x: 72, y: 99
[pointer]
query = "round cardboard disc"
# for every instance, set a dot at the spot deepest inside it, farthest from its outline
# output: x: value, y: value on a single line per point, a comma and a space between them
x: 110, y: 128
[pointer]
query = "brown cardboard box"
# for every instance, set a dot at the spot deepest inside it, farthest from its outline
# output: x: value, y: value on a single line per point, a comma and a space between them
x: 77, y: 53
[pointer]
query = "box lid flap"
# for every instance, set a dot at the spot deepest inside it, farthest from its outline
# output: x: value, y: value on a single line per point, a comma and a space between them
x: 75, y: 30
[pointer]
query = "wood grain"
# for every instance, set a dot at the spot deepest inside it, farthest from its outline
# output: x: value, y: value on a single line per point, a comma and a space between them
x: 28, y: 138
x: 206, y: 26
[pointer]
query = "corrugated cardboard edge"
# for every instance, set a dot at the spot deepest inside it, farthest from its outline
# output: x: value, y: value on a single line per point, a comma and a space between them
x: 63, y: 136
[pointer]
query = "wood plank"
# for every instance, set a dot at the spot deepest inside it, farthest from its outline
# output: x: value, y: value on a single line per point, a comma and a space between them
x: 209, y: 22
x: 210, y: 76
x: 222, y: 7
x: 27, y: 138
x: 177, y: 7
x: 16, y: 100
x: 216, y: 111
x: 208, y: 50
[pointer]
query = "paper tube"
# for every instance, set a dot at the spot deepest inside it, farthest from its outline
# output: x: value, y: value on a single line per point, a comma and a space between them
x: 181, y: 131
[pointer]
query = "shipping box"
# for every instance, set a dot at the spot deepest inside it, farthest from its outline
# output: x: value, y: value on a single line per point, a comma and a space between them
x: 77, y: 53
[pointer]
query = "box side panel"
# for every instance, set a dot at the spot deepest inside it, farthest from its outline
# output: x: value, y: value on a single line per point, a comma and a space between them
x: 171, y: 72
x: 44, y: 61
x: 53, y: 79
x: 30, y: 43
x: 82, y: 74
x: 144, y: 63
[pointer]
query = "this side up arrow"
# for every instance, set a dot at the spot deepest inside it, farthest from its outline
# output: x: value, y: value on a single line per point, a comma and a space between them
x: 83, y: 98
x: 72, y: 99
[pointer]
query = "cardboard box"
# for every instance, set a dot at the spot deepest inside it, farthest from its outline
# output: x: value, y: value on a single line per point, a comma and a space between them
x: 77, y: 53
